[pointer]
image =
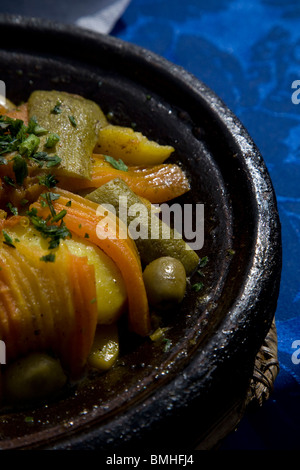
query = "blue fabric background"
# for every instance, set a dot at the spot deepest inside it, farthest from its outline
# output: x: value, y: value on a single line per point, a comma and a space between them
x: 248, y: 52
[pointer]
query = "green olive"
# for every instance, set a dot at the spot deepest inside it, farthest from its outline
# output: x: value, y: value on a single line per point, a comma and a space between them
x: 165, y: 281
x: 33, y: 377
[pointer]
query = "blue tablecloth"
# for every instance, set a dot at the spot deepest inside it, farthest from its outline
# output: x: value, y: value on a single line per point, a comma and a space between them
x: 248, y: 52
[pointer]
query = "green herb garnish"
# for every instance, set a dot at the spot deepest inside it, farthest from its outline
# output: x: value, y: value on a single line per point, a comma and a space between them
x: 117, y: 164
x: 49, y: 197
x: 29, y: 145
x: 54, y: 233
x: 197, y: 286
x: 34, y: 128
x: 13, y: 210
x: 59, y: 216
x: 203, y: 262
x: 15, y: 136
x: 20, y: 169
x: 57, y: 108
x: 43, y: 157
x: 50, y: 257
x: 29, y: 419
x: 72, y: 121
x: 7, y: 239
x: 9, y: 181
x: 52, y: 140
x: 168, y: 344
x: 48, y: 180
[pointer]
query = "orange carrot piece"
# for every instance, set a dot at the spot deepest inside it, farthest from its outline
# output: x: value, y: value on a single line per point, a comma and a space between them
x: 158, y: 183
x: 47, y: 306
x: 21, y: 112
x: 82, y: 218
x: 12, y: 221
x: 82, y: 280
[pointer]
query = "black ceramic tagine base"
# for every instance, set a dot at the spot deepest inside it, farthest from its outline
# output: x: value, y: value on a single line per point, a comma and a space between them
x: 153, y: 397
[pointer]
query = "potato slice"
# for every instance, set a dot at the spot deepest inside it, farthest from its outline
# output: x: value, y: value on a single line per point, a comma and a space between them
x: 110, y: 287
x: 133, y: 148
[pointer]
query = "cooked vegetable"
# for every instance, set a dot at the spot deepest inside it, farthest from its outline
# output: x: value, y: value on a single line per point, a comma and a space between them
x: 165, y: 281
x: 111, y: 293
x: 105, y: 349
x: 33, y: 377
x: 19, y: 112
x: 158, y: 183
x: 130, y: 146
x: 42, y: 304
x: 149, y: 247
x: 106, y: 231
x: 58, y: 112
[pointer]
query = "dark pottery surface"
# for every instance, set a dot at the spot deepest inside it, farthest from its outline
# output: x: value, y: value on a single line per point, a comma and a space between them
x: 154, y: 397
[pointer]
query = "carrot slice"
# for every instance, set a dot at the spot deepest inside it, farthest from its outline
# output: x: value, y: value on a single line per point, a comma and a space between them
x: 82, y: 280
x: 83, y: 219
x: 21, y: 112
x: 158, y: 183
x: 47, y: 306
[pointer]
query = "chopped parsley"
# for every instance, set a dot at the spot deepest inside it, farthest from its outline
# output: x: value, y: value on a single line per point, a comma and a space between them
x: 59, y: 216
x: 203, y: 262
x: 117, y: 164
x: 7, y: 239
x: 57, y: 108
x: 13, y: 210
x: 50, y: 257
x: 197, y: 286
x: 49, y: 197
x: 28, y: 146
x: 168, y: 344
x: 48, y: 227
x: 43, y: 157
x: 72, y: 121
x: 8, y: 180
x: 12, y: 132
x: 29, y: 419
x: 49, y: 230
x: 52, y: 140
x: 35, y: 128
x: 20, y: 169
x: 48, y: 180
x: 24, y: 140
